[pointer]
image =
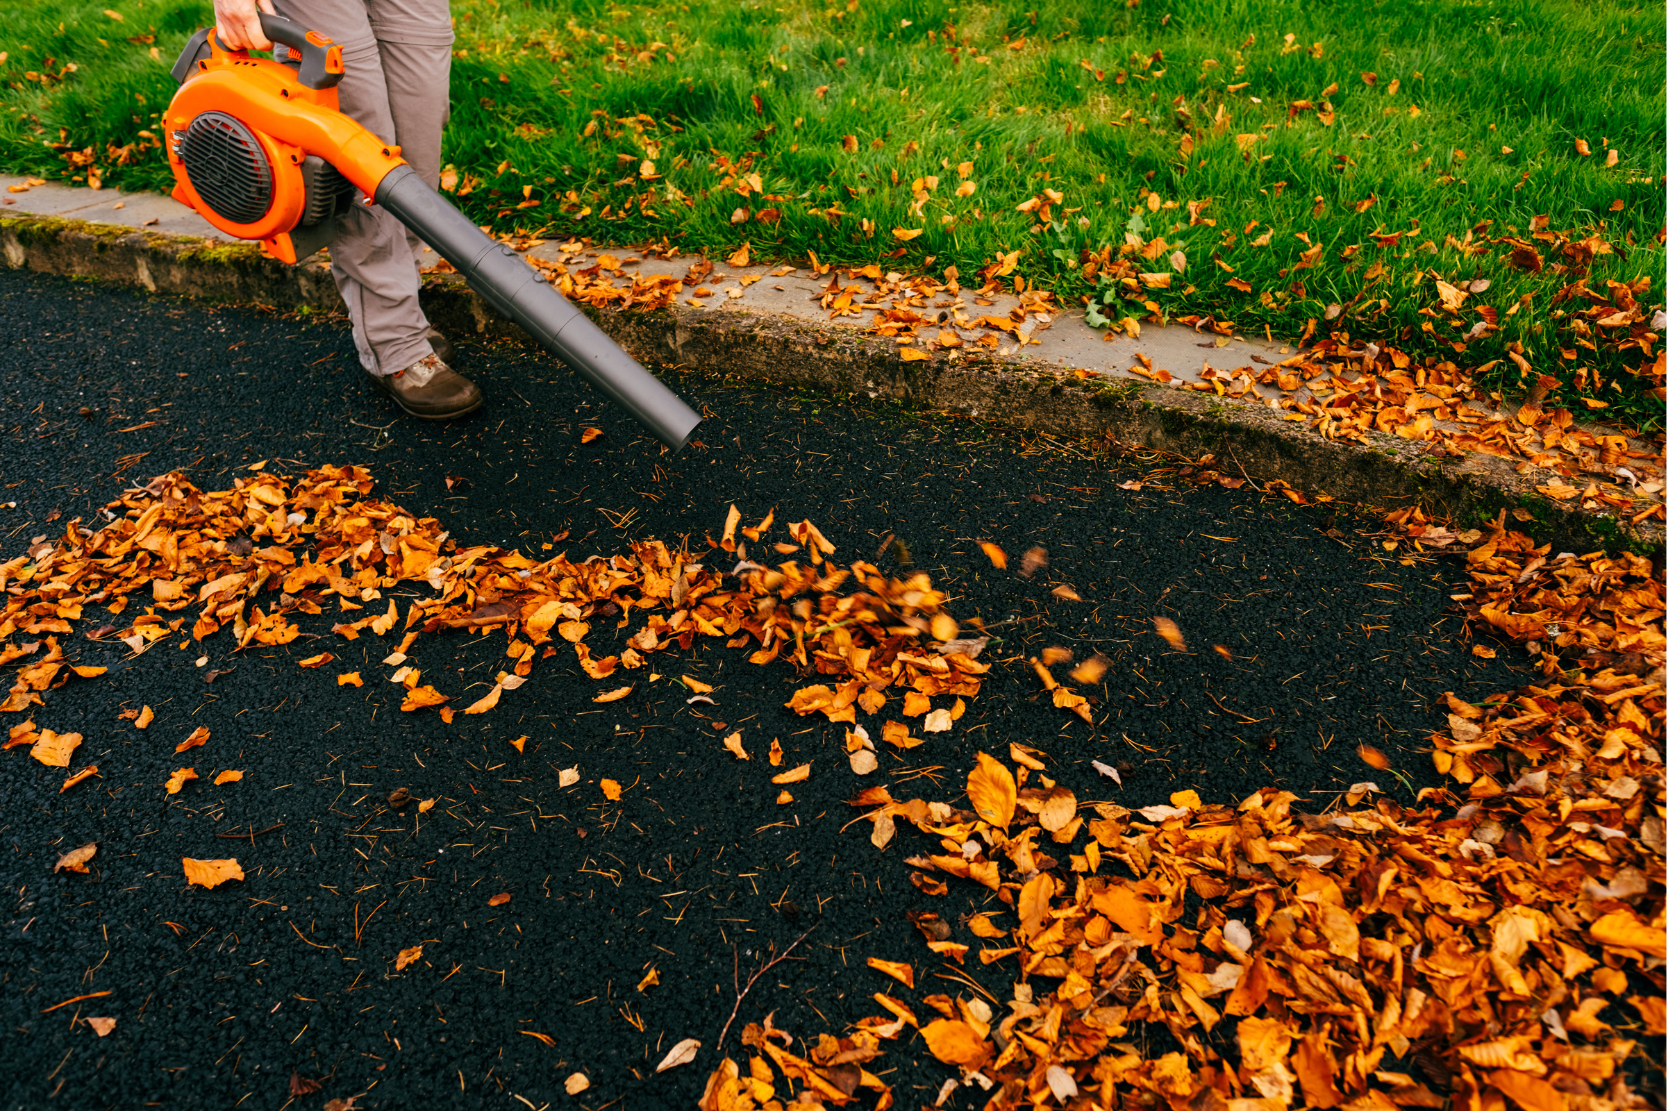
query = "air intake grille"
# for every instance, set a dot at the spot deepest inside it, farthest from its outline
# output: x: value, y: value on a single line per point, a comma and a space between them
x: 326, y: 189
x: 227, y: 167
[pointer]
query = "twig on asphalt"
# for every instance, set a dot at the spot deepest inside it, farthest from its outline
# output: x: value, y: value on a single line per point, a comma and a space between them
x: 251, y: 834
x: 741, y: 992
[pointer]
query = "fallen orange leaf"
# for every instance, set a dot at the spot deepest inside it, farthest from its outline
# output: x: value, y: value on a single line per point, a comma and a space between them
x: 211, y: 873
x: 992, y: 791
x: 897, y: 970
x: 78, y: 777
x: 54, y: 749
x: 794, y: 775
x: 76, y: 859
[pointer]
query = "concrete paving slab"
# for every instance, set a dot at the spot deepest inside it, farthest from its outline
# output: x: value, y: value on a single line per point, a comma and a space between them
x: 155, y: 211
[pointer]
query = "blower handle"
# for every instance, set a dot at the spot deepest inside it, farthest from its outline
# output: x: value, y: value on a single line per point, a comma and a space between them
x: 519, y: 292
x: 321, y: 59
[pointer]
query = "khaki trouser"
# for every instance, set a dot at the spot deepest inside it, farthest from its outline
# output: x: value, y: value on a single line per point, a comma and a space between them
x: 397, y: 54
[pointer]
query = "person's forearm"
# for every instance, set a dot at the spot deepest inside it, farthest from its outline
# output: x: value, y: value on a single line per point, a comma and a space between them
x: 237, y: 24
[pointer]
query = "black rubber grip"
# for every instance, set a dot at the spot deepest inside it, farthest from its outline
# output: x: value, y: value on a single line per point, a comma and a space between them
x: 316, y: 70
x: 510, y: 285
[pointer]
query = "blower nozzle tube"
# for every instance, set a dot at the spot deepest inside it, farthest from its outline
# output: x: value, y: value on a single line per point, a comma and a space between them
x: 519, y: 292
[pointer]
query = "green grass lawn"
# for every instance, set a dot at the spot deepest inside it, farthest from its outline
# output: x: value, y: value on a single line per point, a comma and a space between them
x: 1308, y: 168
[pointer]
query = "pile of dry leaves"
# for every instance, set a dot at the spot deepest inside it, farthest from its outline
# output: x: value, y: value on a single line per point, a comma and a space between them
x: 252, y: 559
x: 1502, y: 946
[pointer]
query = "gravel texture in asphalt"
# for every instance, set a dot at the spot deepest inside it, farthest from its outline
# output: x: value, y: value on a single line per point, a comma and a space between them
x: 221, y: 996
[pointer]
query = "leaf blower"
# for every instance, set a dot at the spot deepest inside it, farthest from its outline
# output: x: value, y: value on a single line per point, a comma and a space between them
x: 261, y: 150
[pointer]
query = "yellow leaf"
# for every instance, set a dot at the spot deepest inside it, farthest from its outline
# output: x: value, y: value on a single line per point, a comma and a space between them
x: 146, y: 716
x: 316, y: 661
x: 681, y: 1054
x: 211, y: 873
x: 423, y: 696
x: 179, y: 779
x: 199, y: 736
x: 966, y: 189
x: 1170, y: 632
x: 650, y: 980
x: 486, y: 701
x: 697, y: 686
x: 784, y: 798
x: 54, y: 749
x: 610, y: 790
x: 407, y: 956
x: 992, y: 792
x: 349, y: 679
x: 913, y: 355
x: 84, y: 773
x: 1057, y: 809
x: 906, y: 234
x: 1515, y: 1053
x: 1341, y: 934
x: 76, y: 859
x: 227, y: 777
x: 1528, y: 1092
x: 1129, y: 911
x: 795, y: 775
x: 1373, y: 757
x: 955, y: 1043
x: 897, y: 970
x: 733, y: 744
x: 1188, y: 798
x: 1623, y: 930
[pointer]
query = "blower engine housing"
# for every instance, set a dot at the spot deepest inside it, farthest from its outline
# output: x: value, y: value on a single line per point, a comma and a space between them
x: 237, y: 174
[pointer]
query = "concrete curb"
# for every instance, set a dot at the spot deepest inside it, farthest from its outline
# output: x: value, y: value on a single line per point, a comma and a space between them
x: 1246, y: 438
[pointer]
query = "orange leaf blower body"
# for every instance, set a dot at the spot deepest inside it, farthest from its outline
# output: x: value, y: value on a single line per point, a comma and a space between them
x: 260, y: 149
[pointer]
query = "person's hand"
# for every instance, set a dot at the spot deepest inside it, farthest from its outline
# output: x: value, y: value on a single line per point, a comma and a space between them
x: 237, y: 24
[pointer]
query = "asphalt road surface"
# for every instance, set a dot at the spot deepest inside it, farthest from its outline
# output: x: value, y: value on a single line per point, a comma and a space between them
x: 222, y: 995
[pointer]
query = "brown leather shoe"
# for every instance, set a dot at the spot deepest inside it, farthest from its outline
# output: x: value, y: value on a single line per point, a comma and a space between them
x: 430, y: 390
x: 442, y: 347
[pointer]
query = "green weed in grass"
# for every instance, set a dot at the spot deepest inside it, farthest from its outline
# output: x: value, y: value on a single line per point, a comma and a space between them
x: 1263, y: 143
